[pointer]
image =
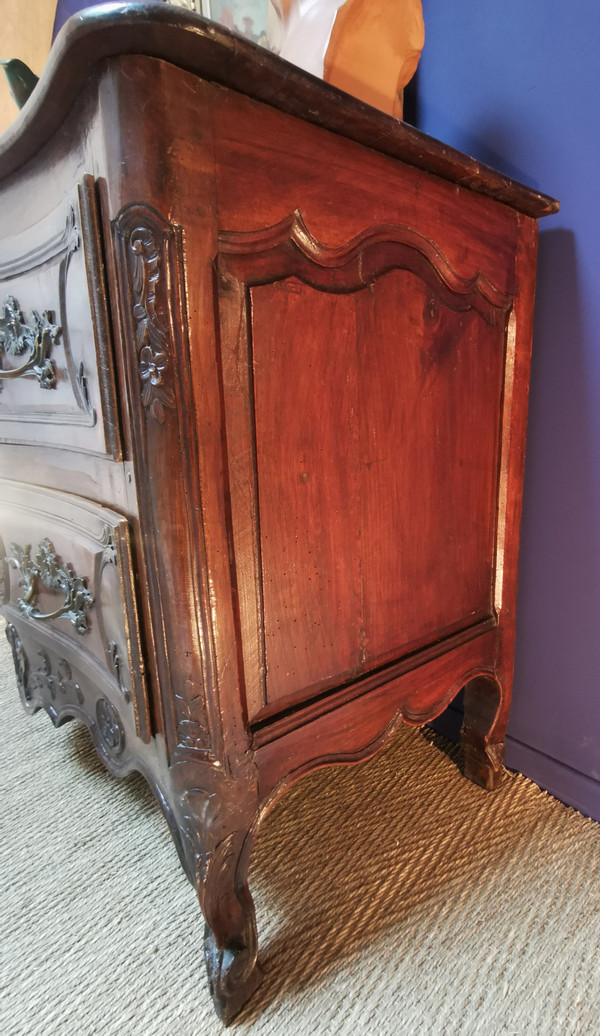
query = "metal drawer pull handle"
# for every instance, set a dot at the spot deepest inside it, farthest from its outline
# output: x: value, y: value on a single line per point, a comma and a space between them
x: 55, y: 576
x: 16, y: 337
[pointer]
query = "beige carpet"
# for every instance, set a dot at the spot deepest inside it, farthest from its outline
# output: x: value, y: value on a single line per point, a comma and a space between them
x: 393, y: 897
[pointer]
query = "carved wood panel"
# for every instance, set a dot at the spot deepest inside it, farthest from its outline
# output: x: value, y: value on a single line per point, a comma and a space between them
x: 56, y: 370
x: 154, y: 326
x: 363, y: 391
x: 70, y: 572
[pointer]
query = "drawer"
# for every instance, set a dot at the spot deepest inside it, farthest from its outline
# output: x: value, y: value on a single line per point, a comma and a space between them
x: 67, y: 575
x: 57, y: 384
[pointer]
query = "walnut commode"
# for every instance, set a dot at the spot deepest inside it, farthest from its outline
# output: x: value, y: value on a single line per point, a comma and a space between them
x: 264, y: 368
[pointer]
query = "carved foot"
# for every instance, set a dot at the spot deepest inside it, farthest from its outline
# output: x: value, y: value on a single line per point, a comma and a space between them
x: 233, y: 976
x: 482, y: 733
x: 483, y: 764
x: 230, y: 937
x: 217, y: 826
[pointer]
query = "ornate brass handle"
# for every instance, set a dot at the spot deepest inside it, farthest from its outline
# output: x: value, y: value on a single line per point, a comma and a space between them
x: 55, y: 576
x: 16, y: 337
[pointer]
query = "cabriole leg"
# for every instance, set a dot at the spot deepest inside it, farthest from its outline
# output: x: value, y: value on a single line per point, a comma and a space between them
x: 216, y: 819
x: 230, y: 936
x: 483, y: 730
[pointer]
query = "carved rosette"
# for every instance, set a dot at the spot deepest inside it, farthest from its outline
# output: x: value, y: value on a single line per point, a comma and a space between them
x: 110, y: 727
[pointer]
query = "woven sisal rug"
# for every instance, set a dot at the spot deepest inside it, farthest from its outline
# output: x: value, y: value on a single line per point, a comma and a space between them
x: 392, y: 897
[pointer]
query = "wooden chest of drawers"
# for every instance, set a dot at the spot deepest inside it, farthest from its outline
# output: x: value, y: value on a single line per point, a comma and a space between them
x: 264, y: 372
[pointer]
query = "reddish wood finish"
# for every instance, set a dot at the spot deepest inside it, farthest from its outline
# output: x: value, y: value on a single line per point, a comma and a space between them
x: 300, y: 368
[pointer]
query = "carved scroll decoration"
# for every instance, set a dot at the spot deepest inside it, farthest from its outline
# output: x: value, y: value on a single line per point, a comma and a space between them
x: 59, y: 578
x: 37, y: 338
x: 123, y: 647
x: 116, y: 664
x: 115, y: 656
x: 107, y: 541
x: 20, y: 661
x: 50, y: 684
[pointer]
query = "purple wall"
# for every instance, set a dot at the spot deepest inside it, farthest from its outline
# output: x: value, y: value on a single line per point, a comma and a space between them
x: 65, y: 8
x: 518, y: 85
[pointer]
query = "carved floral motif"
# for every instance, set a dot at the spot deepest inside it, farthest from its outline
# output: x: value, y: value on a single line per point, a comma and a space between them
x: 151, y: 335
x: 107, y: 539
x: 54, y: 678
x: 191, y: 727
x: 59, y: 684
x: 151, y: 267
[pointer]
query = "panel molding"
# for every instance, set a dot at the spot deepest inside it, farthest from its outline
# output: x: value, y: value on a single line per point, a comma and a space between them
x: 286, y: 250
x: 54, y: 267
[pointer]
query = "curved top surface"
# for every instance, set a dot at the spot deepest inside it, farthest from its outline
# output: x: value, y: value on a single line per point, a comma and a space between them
x: 211, y: 52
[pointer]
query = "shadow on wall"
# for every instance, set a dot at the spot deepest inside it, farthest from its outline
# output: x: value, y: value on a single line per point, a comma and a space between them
x: 557, y: 625
x: 560, y: 546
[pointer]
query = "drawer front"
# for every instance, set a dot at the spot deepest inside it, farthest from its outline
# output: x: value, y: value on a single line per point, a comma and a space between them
x: 57, y: 383
x: 67, y: 574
